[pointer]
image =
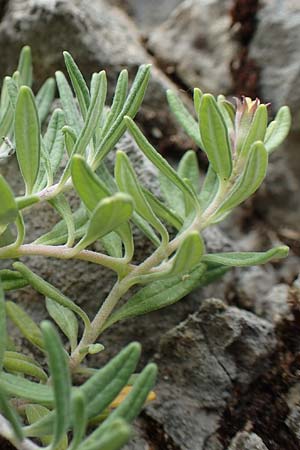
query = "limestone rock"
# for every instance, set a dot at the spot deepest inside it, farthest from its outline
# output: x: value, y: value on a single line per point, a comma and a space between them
x: 275, y: 48
x: 247, y: 441
x: 195, y: 45
x: 200, y: 361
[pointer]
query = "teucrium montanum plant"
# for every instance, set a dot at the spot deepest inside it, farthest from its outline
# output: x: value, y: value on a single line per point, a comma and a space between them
x: 237, y: 140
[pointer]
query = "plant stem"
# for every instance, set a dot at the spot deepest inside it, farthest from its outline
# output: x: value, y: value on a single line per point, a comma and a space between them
x: 6, y: 432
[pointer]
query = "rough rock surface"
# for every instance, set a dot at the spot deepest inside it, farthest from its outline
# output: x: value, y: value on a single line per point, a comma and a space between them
x: 195, y: 44
x: 200, y: 361
x: 247, y: 441
x: 275, y: 48
x: 98, y: 36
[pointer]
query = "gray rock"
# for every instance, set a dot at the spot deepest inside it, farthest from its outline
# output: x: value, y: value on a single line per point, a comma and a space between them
x: 247, y: 441
x: 275, y: 48
x: 195, y: 44
x: 253, y: 283
x: 147, y: 14
x: 200, y: 361
x: 293, y: 419
x: 99, y: 36
x: 274, y: 306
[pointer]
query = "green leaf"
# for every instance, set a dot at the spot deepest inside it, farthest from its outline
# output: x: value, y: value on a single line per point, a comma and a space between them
x: 163, y: 211
x: 79, y: 420
x: 278, y: 130
x: 61, y: 381
x: 10, y: 414
x: 249, y: 181
x: 108, y: 216
x: 34, y: 413
x: 62, y: 206
x: 3, y: 333
x: 16, y: 363
x: 172, y: 195
x: 127, y: 182
x: 27, y: 200
x: 118, y: 101
x: 12, y: 280
x: 27, y: 135
x: 239, y: 259
x: 92, y: 121
x: 197, y: 95
x: 12, y: 89
x: 130, y: 108
x: 25, y: 66
x: 59, y: 233
x: 88, y: 185
x: 156, y: 158
x: 103, y: 387
x: 8, y: 205
x: 16, y: 386
x: 188, y: 168
x: 135, y: 400
x: 113, y: 438
x: 68, y: 102
x: 45, y: 288
x: 257, y: 130
x: 188, y: 255
x: 209, y: 188
x: 26, y: 325
x: 79, y: 84
x: 214, y: 136
x: 65, y: 319
x: 158, y: 294
x: 183, y: 116
x: 44, y: 98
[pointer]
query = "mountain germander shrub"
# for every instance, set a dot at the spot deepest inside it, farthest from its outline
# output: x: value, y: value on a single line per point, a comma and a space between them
x: 41, y: 407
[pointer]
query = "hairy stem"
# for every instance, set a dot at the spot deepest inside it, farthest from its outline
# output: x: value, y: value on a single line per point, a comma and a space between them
x: 6, y: 432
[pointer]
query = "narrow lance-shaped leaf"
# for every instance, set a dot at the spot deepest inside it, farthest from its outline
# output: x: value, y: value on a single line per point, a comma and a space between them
x: 278, y: 129
x: 239, y: 259
x: 108, y: 216
x: 127, y: 182
x: 188, y: 255
x: 53, y: 139
x: 65, y: 319
x: 61, y: 381
x: 34, y: 413
x: 158, y: 294
x: 26, y: 325
x: 79, y: 84
x: 12, y: 280
x: 27, y: 135
x: 118, y: 101
x: 2, y: 325
x: 250, y: 180
x: 257, y: 130
x: 163, y: 211
x: 44, y: 98
x: 25, y: 66
x: 69, y: 106
x: 135, y: 400
x: 156, y: 158
x: 92, y: 121
x: 188, y: 168
x: 130, y: 109
x: 215, y: 137
x: 113, y: 438
x: 8, y: 206
x: 183, y: 116
x: 79, y: 420
x: 62, y: 206
x: 197, y: 95
x: 45, y: 288
x: 16, y: 363
x: 16, y: 386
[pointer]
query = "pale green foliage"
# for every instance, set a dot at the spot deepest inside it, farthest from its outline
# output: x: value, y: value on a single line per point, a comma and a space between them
x: 237, y: 142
